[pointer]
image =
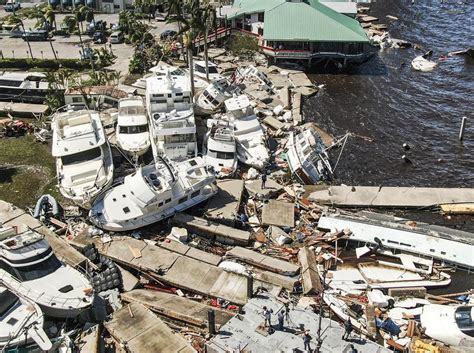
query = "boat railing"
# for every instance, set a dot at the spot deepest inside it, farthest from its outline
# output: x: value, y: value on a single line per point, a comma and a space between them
x: 38, y: 297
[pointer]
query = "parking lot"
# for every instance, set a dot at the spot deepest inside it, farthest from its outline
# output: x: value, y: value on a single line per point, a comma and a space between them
x: 69, y: 47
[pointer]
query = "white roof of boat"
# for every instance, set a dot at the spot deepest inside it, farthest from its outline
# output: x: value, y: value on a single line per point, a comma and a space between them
x: 131, y: 102
x: 237, y: 103
x: 167, y: 84
x: 20, y: 75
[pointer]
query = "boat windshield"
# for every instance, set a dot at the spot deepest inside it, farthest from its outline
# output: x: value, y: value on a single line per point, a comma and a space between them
x: 7, y: 301
x: 221, y: 155
x: 44, y: 268
x: 463, y: 317
x: 202, y: 69
x: 133, y: 129
x: 81, y: 156
x: 132, y: 110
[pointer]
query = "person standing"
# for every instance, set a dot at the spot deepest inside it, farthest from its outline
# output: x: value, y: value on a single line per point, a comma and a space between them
x: 347, y: 329
x: 307, y: 341
x: 267, y: 314
x: 281, y: 319
x: 264, y: 178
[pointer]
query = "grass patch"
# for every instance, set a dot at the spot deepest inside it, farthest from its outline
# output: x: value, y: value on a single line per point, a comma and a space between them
x: 27, y: 171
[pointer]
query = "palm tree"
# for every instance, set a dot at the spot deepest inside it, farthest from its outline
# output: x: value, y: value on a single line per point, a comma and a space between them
x: 50, y: 16
x: 16, y: 21
x: 79, y: 16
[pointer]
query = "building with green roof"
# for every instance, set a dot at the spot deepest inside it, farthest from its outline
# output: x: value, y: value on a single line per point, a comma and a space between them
x: 301, y: 30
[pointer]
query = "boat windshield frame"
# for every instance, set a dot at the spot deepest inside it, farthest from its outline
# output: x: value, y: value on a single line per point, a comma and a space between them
x: 464, y: 319
x: 34, y: 271
x: 81, y: 157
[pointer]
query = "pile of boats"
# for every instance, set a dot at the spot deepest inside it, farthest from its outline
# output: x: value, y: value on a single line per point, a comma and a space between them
x: 162, y: 125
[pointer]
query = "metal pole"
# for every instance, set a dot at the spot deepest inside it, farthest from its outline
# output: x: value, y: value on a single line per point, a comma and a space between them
x: 321, y: 302
x: 249, y: 286
x: 211, y: 321
x: 463, y: 125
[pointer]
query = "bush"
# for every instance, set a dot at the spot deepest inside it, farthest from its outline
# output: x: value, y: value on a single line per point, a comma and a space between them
x: 243, y: 45
x: 27, y: 63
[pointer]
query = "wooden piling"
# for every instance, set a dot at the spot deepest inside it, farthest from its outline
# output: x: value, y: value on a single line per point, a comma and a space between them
x: 463, y: 126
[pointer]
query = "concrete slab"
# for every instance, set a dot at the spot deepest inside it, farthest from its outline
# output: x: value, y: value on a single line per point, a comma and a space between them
x: 11, y: 215
x: 23, y: 109
x: 139, y: 330
x: 191, y: 252
x: 274, y: 123
x: 300, y: 79
x: 243, y: 332
x: 271, y: 188
x: 306, y: 91
x: 309, y: 271
x: 212, y: 230
x: 129, y: 281
x: 279, y: 213
x: 400, y: 197
x: 224, y: 206
x: 176, y: 307
x: 278, y: 80
x: 263, y: 261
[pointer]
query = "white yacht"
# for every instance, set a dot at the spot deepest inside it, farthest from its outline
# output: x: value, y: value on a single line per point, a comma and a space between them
x: 21, y: 322
x: 163, y: 69
x: 132, y: 127
x: 450, y: 324
x: 153, y: 193
x: 171, y: 114
x: 307, y: 157
x: 27, y: 87
x: 200, y: 70
x: 83, y: 156
x: 29, y: 265
x: 213, y: 97
x: 219, y: 148
x: 251, y: 143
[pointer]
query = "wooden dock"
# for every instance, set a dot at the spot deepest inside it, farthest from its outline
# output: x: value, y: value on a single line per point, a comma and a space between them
x: 178, y: 308
x: 23, y: 109
x: 138, y: 330
x: 391, y: 197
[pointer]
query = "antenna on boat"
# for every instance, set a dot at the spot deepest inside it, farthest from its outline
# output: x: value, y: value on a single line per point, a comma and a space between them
x: 337, y: 143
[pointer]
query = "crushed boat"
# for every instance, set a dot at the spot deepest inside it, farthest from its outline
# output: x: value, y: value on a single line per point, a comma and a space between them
x: 83, y: 157
x: 219, y: 148
x: 29, y: 265
x: 248, y: 132
x: 21, y: 321
x: 153, y: 193
x: 430, y: 241
x: 171, y: 114
x: 307, y: 157
x: 132, y: 127
x: 212, y: 98
x: 420, y: 63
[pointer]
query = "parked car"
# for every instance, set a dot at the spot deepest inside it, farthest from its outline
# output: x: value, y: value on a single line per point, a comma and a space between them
x: 159, y: 16
x: 168, y: 34
x: 99, y: 37
x: 36, y: 36
x: 116, y: 38
x: 11, y: 6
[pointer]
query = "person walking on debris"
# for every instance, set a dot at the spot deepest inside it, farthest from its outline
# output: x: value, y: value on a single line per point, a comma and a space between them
x: 264, y: 178
x: 267, y: 314
x: 281, y: 319
x: 287, y: 312
x: 307, y: 341
x: 353, y: 349
x: 347, y: 329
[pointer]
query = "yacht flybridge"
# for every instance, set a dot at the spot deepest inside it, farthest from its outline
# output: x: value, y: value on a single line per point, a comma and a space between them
x: 28, y: 264
x: 171, y: 114
x: 27, y: 87
x: 153, y: 193
x: 213, y: 97
x: 251, y: 144
x: 83, y: 156
x: 219, y: 147
x: 132, y: 127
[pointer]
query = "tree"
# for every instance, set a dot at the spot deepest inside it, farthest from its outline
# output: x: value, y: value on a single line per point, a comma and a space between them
x: 16, y: 21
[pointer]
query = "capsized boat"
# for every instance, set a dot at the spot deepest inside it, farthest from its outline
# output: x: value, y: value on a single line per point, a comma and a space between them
x: 219, y: 148
x: 248, y: 132
x: 420, y: 63
x: 28, y: 264
x: 213, y: 97
x: 21, y: 321
x: 132, y: 127
x: 153, y: 193
x: 83, y: 157
x: 307, y: 157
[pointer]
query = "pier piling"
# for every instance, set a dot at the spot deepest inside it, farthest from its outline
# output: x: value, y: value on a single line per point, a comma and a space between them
x: 463, y: 126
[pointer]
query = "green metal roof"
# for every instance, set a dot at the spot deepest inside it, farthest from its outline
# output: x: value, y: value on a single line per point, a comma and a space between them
x: 313, y: 21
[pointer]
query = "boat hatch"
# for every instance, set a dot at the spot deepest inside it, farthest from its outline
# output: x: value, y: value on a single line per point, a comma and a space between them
x: 66, y: 289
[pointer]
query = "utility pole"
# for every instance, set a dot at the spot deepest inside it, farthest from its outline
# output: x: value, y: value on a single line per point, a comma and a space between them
x: 321, y: 303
